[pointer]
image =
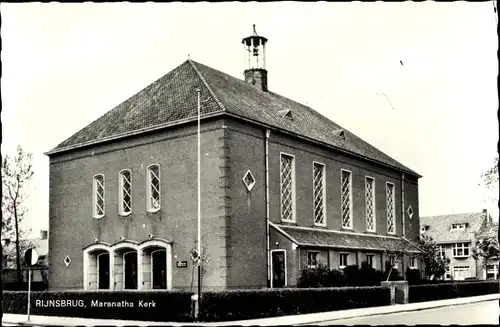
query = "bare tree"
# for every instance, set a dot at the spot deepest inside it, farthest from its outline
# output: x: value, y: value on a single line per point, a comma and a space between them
x: 396, y: 254
x: 490, y: 180
x: 205, y: 260
x: 16, y: 173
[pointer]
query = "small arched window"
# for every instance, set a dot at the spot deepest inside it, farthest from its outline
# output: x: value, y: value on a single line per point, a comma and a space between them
x: 125, y: 195
x: 98, y: 196
x: 153, y: 188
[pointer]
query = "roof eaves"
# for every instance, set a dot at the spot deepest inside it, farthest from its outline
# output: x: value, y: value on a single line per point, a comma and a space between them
x: 324, y: 144
x: 132, y: 133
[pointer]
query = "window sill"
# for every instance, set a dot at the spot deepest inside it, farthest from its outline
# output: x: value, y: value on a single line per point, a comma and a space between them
x: 461, y: 256
x: 318, y: 225
x: 348, y: 228
x: 98, y: 217
x: 125, y: 214
x: 154, y: 211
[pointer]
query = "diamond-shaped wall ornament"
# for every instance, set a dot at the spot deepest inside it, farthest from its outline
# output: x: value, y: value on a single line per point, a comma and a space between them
x: 410, y: 212
x: 249, y: 180
x: 67, y: 261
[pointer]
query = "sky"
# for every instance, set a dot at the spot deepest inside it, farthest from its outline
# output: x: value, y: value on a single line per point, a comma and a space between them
x: 416, y: 80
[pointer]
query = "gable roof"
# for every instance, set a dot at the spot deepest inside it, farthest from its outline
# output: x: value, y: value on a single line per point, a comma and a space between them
x: 172, y: 99
x: 440, y: 226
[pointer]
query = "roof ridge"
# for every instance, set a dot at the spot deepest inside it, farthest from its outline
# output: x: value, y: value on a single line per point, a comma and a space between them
x: 206, y: 84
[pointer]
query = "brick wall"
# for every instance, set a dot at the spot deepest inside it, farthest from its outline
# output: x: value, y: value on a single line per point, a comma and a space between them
x: 72, y: 226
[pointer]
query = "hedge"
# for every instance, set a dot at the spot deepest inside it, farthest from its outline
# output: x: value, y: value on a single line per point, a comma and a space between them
x: 433, y: 292
x: 169, y: 305
x: 254, y: 304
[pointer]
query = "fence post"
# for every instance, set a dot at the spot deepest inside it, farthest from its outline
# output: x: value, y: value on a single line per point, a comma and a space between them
x: 390, y: 285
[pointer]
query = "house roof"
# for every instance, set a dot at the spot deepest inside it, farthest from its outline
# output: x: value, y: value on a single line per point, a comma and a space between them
x: 489, y: 229
x: 440, y: 226
x: 343, y: 240
x: 172, y: 99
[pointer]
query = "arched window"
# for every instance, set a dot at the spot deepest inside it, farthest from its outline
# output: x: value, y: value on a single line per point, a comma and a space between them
x: 98, y: 196
x: 153, y: 188
x: 125, y: 192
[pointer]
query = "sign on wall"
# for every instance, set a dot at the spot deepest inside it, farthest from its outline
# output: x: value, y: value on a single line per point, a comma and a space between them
x: 182, y: 264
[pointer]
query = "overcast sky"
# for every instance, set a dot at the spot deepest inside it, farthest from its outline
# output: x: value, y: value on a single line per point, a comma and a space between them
x: 65, y: 65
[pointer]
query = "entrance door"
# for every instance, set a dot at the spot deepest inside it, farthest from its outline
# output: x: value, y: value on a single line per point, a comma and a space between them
x: 130, y: 270
x: 103, y: 267
x: 159, y: 263
x: 278, y: 268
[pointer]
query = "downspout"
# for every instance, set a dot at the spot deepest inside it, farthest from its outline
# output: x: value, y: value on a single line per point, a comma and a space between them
x: 268, y: 265
x: 403, y: 201
x: 403, y: 220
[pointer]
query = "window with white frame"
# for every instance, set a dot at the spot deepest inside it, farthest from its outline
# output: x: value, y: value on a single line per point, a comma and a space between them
x: 125, y: 192
x: 413, y: 263
x: 458, y: 226
x: 447, y: 274
x: 319, y: 193
x: 312, y: 259
x: 98, y: 196
x: 442, y: 251
x: 153, y: 188
x: 370, y: 203
x: 461, y: 272
x: 287, y: 188
x: 343, y: 260
x: 346, y: 198
x: 461, y: 250
x: 369, y: 260
x: 393, y: 263
x: 391, y: 209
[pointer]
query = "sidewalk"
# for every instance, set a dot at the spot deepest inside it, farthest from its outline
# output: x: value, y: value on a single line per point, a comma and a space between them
x: 14, y: 319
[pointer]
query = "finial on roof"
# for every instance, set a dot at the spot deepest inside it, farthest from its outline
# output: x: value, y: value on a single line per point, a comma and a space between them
x: 254, y: 31
x: 189, y: 56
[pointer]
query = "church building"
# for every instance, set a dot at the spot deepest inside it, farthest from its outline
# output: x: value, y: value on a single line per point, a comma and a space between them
x: 282, y: 188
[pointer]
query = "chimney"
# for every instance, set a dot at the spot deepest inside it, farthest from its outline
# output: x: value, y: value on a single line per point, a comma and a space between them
x: 257, y: 77
x: 255, y: 72
x: 43, y: 234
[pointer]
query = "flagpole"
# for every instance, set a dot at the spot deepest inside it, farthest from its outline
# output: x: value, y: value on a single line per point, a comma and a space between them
x: 199, y: 205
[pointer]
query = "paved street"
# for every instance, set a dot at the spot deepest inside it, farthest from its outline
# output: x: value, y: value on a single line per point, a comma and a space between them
x: 465, y: 314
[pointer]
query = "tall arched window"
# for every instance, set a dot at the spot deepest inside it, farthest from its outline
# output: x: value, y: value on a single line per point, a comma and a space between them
x: 98, y: 196
x: 125, y: 192
x: 153, y: 188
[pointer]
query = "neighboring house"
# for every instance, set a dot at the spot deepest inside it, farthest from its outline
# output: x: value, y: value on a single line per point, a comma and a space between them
x: 456, y: 235
x: 491, y: 271
x: 282, y: 187
x: 40, y: 244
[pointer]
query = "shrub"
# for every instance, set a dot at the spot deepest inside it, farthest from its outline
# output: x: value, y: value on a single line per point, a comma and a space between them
x: 413, y: 276
x: 253, y: 304
x: 432, y: 292
x: 320, y: 276
x: 441, y: 291
x: 169, y: 306
x: 477, y: 288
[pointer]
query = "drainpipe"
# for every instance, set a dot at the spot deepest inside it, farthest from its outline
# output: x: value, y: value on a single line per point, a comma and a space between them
x: 268, y: 265
x: 403, y: 201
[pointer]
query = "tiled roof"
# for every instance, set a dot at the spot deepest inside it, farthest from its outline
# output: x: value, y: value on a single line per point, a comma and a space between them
x: 172, y: 98
x: 488, y: 229
x: 343, y: 240
x: 440, y: 226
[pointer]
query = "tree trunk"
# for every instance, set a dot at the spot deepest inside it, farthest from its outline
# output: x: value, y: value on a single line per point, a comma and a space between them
x: 389, y: 275
x: 18, y: 257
